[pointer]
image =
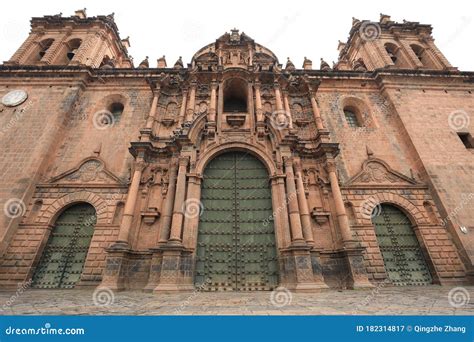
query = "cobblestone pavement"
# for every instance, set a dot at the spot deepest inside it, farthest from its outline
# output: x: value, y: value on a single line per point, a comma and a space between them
x: 430, y: 300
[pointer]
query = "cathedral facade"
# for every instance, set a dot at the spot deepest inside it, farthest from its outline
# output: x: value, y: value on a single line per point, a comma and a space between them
x: 234, y: 172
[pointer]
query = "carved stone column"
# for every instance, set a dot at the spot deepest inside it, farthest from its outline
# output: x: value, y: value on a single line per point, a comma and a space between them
x: 351, y: 250
x: 129, y: 209
x: 191, y: 102
x: 168, y: 206
x: 177, y: 223
x: 282, y: 225
x: 258, y: 102
x: 213, y: 104
x: 151, y: 116
x: 182, y: 109
x: 316, y: 112
x: 294, y: 212
x: 342, y: 219
x: 117, y: 261
x: 193, y: 211
x: 303, y: 204
x: 287, y: 109
x: 279, y: 103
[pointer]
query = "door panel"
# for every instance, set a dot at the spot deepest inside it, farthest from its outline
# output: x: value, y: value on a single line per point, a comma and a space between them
x: 65, y: 253
x: 401, y: 252
x: 236, y: 250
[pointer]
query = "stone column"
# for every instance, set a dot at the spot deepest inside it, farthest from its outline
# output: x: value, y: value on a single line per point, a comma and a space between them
x: 168, y: 206
x: 250, y: 106
x: 287, y: 109
x: 213, y: 104
x: 339, y: 204
x: 177, y: 223
x: 282, y: 225
x: 294, y: 212
x: 279, y: 103
x: 129, y: 209
x: 151, y: 116
x: 182, y: 109
x: 220, y: 106
x: 258, y: 102
x: 177, y: 219
x: 352, y: 252
x: 303, y: 204
x: 192, y: 211
x: 191, y: 102
x: 316, y: 112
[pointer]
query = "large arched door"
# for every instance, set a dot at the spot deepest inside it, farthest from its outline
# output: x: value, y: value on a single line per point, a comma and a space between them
x: 401, y: 252
x: 63, y: 258
x: 236, y: 248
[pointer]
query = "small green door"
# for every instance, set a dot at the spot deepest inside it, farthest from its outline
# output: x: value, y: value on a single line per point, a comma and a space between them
x: 236, y: 239
x: 66, y: 250
x: 401, y: 252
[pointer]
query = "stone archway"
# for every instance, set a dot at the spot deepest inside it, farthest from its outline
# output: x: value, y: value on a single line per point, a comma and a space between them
x: 401, y: 252
x: 65, y: 253
x: 236, y: 247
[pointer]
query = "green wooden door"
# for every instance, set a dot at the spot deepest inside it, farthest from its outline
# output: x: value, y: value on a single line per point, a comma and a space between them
x: 401, y: 252
x: 66, y: 250
x: 236, y: 240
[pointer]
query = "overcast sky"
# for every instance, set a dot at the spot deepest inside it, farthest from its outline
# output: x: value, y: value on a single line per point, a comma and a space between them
x: 290, y: 28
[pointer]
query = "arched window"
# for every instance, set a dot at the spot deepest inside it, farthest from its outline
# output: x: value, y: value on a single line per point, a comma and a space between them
x: 44, y: 46
x: 116, y: 108
x: 71, y: 49
x: 40, y: 51
x: 418, y: 50
x: 352, y: 118
x: 235, y: 95
x: 392, y: 51
x: 422, y: 56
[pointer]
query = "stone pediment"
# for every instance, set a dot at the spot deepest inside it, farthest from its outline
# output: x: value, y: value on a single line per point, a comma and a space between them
x: 377, y: 172
x: 89, y: 171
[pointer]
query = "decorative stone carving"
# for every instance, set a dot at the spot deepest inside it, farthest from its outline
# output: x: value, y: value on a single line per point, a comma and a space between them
x: 90, y: 171
x: 377, y: 172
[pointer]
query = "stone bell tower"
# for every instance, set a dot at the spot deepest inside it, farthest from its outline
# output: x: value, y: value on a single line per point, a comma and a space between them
x: 75, y: 40
x: 392, y: 45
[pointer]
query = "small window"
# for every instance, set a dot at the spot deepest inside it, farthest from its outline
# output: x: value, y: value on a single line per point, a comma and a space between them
x: 467, y: 140
x: 116, y: 109
x: 235, y: 95
x: 351, y: 118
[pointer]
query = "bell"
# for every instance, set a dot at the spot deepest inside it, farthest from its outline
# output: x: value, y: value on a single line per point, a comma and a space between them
x: 70, y: 54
